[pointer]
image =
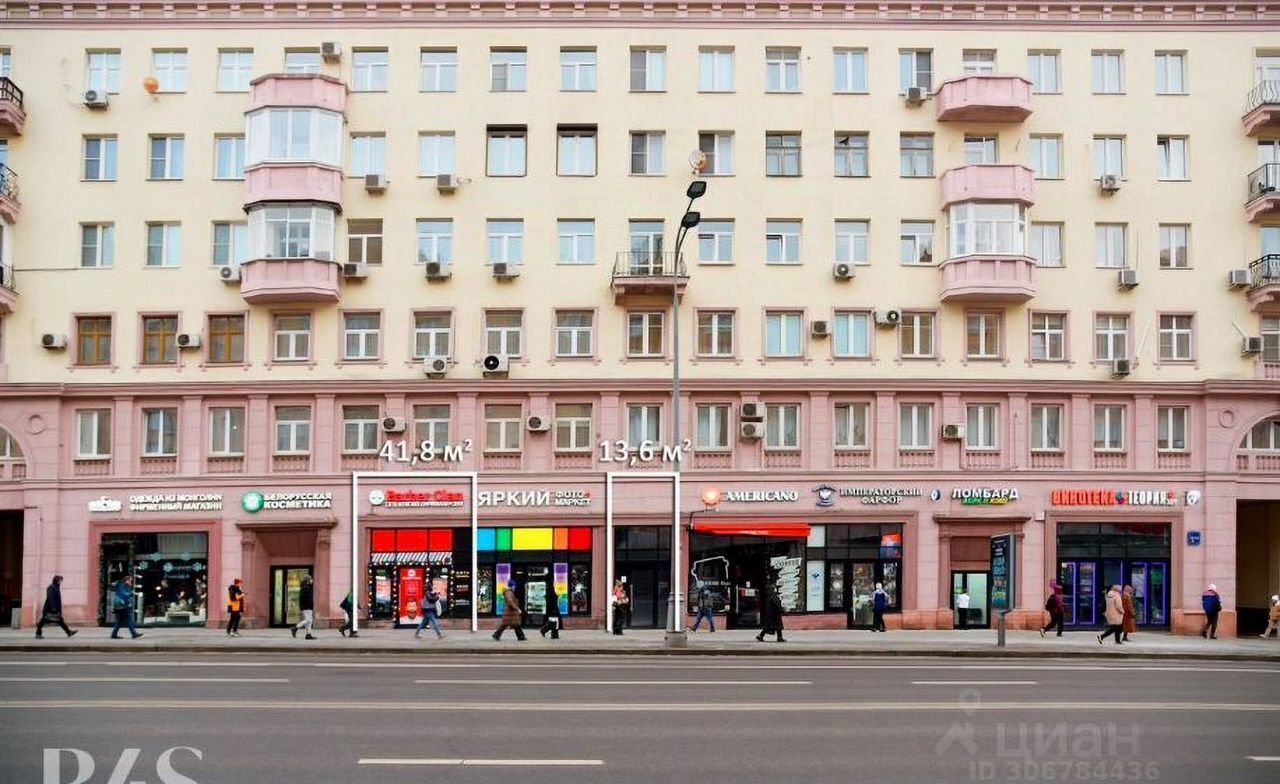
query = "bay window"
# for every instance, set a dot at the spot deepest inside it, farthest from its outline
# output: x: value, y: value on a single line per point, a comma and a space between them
x: 988, y: 229
x: 311, y: 135
x: 291, y: 231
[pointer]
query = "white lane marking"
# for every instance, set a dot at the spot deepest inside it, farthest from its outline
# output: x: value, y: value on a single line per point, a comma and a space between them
x: 975, y: 683
x: 1264, y: 759
x: 682, y: 666
x: 188, y: 664
x: 142, y: 680
x: 512, y: 763
x: 501, y: 682
x: 32, y: 664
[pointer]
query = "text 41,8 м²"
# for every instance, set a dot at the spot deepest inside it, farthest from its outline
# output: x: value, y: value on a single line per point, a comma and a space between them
x: 646, y: 452
x: 427, y: 452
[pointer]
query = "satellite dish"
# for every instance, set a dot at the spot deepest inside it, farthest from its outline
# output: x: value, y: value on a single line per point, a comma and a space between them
x: 697, y: 161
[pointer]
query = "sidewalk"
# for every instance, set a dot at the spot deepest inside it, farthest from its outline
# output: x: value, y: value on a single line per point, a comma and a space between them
x: 975, y: 643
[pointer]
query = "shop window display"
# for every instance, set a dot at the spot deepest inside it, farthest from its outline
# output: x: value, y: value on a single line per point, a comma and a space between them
x: 405, y: 563
x: 170, y: 576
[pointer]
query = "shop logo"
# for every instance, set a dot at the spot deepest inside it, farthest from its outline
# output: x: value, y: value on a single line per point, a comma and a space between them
x: 1193, y: 497
x: 122, y: 768
x: 984, y: 496
x: 1110, y: 497
x: 826, y: 495
x: 936, y: 495
x: 377, y: 497
x: 104, y: 504
x: 416, y: 499
x: 253, y: 501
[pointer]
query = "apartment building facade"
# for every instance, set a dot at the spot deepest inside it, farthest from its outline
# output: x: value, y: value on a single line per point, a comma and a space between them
x: 961, y: 271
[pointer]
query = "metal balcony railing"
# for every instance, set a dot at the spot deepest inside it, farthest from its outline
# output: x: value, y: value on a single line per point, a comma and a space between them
x: 1264, y: 181
x: 9, y: 92
x: 8, y: 183
x: 1266, y: 270
x: 648, y: 264
x: 1264, y: 93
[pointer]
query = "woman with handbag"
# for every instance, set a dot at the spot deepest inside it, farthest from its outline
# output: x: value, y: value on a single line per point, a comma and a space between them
x: 52, y: 611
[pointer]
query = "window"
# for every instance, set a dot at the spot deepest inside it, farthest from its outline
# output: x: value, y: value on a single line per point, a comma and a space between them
x: 93, y: 426
x: 361, y: 334
x: 159, y: 340
x: 646, y: 152
x: 506, y: 241
x: 1108, y: 428
x: 1044, y: 244
x: 1045, y: 71
x: 648, y: 69
x: 166, y: 158
x: 431, y: 424
x: 1175, y: 338
x: 226, y: 431
x: 235, y: 70
x: 435, y: 154
x: 644, y: 334
x: 782, y: 70
x: 850, y: 71
x: 577, y: 152
x: 577, y: 241
x: 432, y: 335
x: 1046, y: 157
x: 1111, y: 240
x: 169, y: 67
x: 782, y: 426
x: 783, y: 334
x: 160, y: 432
x: 503, y: 330
x: 1171, y: 73
x: 915, y: 333
x: 715, y: 333
x: 507, y: 69
x: 981, y: 228
x: 292, y: 338
x: 435, y: 241
x: 715, y: 70
x: 578, y: 70
x: 368, y: 154
x: 369, y: 70
x: 502, y: 428
x: 1264, y: 436
x: 915, y: 155
x: 164, y: 244
x: 851, y: 155
x: 980, y: 150
x: 1108, y: 73
x: 102, y: 71
x: 1108, y: 156
x: 1174, y: 241
x: 981, y: 428
x: 573, y: 427
x: 1110, y: 337
x: 982, y: 335
x: 851, y: 425
x: 1270, y: 338
x: 978, y: 62
x: 100, y: 158
x: 1171, y: 157
x: 644, y: 423
x: 228, y: 157
x: 646, y: 247
x: 302, y: 135
x: 6, y: 71
x: 1267, y: 66
x: 364, y: 240
x: 782, y: 241
x: 291, y: 232
x: 915, y: 69
x: 293, y: 430
x: 852, y: 338
x: 574, y: 333
x: 360, y: 429
x: 97, y: 245
x: 1046, y: 428
x: 438, y: 70
x: 851, y: 241
x: 302, y: 61
x: 1171, y: 424
x: 712, y: 426
x: 1048, y: 337
x: 915, y: 426
x: 506, y: 152
x: 915, y: 239
x: 226, y: 339
x: 715, y: 242
x: 718, y: 147
x: 782, y: 154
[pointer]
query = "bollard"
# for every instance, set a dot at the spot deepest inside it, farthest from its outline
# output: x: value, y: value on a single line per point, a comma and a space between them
x: 1000, y: 629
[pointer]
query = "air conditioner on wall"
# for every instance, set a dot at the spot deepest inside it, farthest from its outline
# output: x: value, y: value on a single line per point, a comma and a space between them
x: 188, y: 340
x: 1127, y: 278
x: 53, y: 341
x: 751, y: 430
x: 446, y: 183
x: 820, y: 329
x: 888, y: 318
x: 393, y: 424
x: 1108, y: 184
x: 915, y: 96
x: 355, y: 270
x: 96, y: 99
x: 842, y: 270
x: 230, y: 273
x: 438, y: 270
x: 504, y: 271
x: 496, y: 365
x: 751, y: 412
x: 331, y: 51
x: 435, y: 366
x: 375, y: 183
x: 537, y: 424
x: 1121, y: 367
x: 1240, y: 278
x: 1251, y: 345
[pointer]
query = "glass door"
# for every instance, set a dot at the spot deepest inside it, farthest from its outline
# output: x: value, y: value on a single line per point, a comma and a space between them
x: 286, y: 585
x: 536, y: 582
x: 862, y: 585
x: 976, y: 586
x: 1079, y: 592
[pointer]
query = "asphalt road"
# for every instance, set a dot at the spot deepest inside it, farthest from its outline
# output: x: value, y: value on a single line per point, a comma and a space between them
x: 479, y: 720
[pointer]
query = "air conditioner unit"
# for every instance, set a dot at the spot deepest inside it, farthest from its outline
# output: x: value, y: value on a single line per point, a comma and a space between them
x: 1127, y: 278
x: 496, y: 365
x: 375, y: 183
x: 888, y: 318
x: 188, y: 340
x: 751, y: 412
x: 751, y: 431
x: 435, y: 366
x: 355, y: 270
x: 331, y: 51
x: 393, y: 424
x: 842, y: 270
x: 915, y: 96
x: 438, y: 270
x: 952, y: 432
x: 1121, y: 367
x: 506, y: 271
x: 96, y: 99
x: 1240, y: 278
x: 537, y: 424
x: 446, y: 183
x: 1251, y: 346
x: 1109, y: 183
x: 230, y: 274
x: 53, y: 341
x: 820, y: 329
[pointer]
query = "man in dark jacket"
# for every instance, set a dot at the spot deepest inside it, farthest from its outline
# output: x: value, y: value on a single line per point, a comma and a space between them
x: 122, y: 601
x: 306, y: 603
x: 551, y: 623
x: 1057, y: 608
x: 235, y: 607
x: 52, y: 612
x: 771, y: 618
x: 510, y: 614
x: 1212, y: 604
x: 879, y: 603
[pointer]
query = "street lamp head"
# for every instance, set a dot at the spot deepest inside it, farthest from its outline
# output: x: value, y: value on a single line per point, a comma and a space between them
x: 696, y: 189
x: 691, y: 219
x: 710, y: 497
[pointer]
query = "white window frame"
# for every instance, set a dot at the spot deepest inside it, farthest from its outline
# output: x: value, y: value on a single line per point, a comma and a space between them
x: 913, y: 326
x: 852, y: 330
x: 648, y: 153
x: 985, y: 324
x: 1176, y: 337
x: 504, y: 339
x: 915, y: 426
x: 1108, y: 72
x: 367, y: 340
x: 429, y: 425
x: 360, y: 433
x: 368, y: 154
x: 292, y: 231
x: 576, y: 240
x: 1109, y: 157
x: 164, y: 244
x: 715, y: 241
x: 915, y: 155
x: 437, y: 70
x: 1109, y: 427
x: 1173, y: 428
x: 915, y: 69
x: 988, y: 229
x: 1046, y: 156
x: 852, y: 241
x: 782, y: 241
x: 103, y: 164
x: 783, y: 154
x: 576, y: 340
x: 361, y: 239
x: 437, y: 153
x: 508, y: 153
x: 228, y: 156
x: 96, y: 424
x: 230, y: 243
x: 573, y: 427
x: 978, y: 62
x: 1045, y: 70
x: 576, y: 152
x: 226, y: 427
x: 1048, y: 332
x: 644, y: 423
x: 169, y: 164
x: 505, y: 241
x: 169, y: 67
x: 715, y: 69
x: 648, y: 65
x: 1044, y: 244
x: 782, y: 427
x: 853, y: 158
x: 712, y: 326
x: 235, y: 70
x: 435, y: 245
x: 1171, y: 73
x: 646, y: 321
x: 1172, y: 159
x: 302, y: 61
x: 1111, y: 243
x: 718, y: 147
x: 784, y: 334
x: 102, y: 70
x: 782, y: 69
x: 369, y: 70
x: 1175, y: 246
x: 916, y: 244
x: 160, y: 431
x: 982, y: 427
x: 577, y: 70
x: 1113, y: 330
x: 508, y: 70
x: 103, y: 252
x: 296, y: 431
x: 851, y: 426
x: 432, y: 336
x: 712, y: 427
x: 291, y: 343
x: 297, y: 135
x: 849, y: 70
x: 1046, y: 427
x: 1269, y: 329
x: 498, y: 420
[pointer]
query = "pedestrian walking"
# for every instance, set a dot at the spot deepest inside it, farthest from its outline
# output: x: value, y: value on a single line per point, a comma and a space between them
x: 306, y: 603
x: 706, y: 607
x: 551, y: 622
x: 621, y: 603
x: 348, y: 607
x: 1130, y: 614
x: 1114, y: 615
x: 235, y: 607
x: 510, y: 614
x: 122, y: 607
x: 962, y: 607
x: 432, y: 609
x: 1212, y: 604
x: 771, y: 618
x: 1057, y: 607
x: 879, y: 602
x: 51, y: 613
x: 1273, y: 619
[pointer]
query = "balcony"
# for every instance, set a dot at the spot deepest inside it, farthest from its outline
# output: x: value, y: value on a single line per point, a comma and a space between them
x: 984, y: 99
x: 9, y: 206
x: 292, y: 182
x: 298, y: 90
x: 1262, y: 109
x: 1265, y: 289
x: 984, y: 278
x: 648, y: 274
x: 988, y: 182
x: 1264, y: 193
x: 8, y: 291
x: 12, y: 115
x: 290, y: 280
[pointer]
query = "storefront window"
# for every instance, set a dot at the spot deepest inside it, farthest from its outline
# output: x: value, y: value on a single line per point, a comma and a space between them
x: 857, y: 557
x: 170, y: 576
x: 405, y: 563
x: 538, y: 560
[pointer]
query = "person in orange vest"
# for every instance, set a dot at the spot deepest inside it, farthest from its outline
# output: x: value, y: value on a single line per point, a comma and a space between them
x: 235, y: 607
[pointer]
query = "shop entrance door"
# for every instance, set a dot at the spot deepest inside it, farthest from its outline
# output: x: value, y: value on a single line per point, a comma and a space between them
x: 286, y: 585
x: 534, y: 585
x: 11, y: 565
x: 975, y: 584
x: 648, y: 585
x: 1085, y: 584
x: 748, y: 573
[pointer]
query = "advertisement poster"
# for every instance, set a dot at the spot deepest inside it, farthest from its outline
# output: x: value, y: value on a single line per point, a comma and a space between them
x: 382, y: 589
x: 814, y: 585
x: 484, y: 590
x: 790, y: 572
x: 460, y: 597
x: 1002, y: 573
x: 535, y: 598
x: 411, y: 590
x: 499, y: 595
x: 580, y: 592
x: 562, y: 587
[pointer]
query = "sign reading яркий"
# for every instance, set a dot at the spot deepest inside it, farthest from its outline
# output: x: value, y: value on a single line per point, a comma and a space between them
x: 1114, y: 498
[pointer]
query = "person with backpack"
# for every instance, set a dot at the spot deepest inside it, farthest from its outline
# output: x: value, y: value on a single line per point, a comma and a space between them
x: 1057, y: 606
x: 879, y: 603
x: 235, y: 607
x: 1212, y: 604
x: 122, y: 606
x: 306, y: 603
x: 432, y: 609
x: 551, y: 622
x: 348, y: 627
x: 52, y: 610
x: 510, y: 614
x: 705, y: 608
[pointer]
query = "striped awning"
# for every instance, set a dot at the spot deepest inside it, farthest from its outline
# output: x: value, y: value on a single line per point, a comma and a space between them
x: 413, y: 557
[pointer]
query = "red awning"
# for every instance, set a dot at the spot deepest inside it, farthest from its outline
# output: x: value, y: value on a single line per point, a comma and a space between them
x: 763, y: 528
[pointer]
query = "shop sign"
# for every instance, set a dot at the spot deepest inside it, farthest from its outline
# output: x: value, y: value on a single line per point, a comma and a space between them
x: 520, y: 498
x: 1193, y: 538
x: 416, y: 499
x: 254, y: 501
x: 1114, y: 498
x: 985, y: 496
x: 870, y: 496
x: 760, y: 496
x: 176, y: 502
x: 104, y: 504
